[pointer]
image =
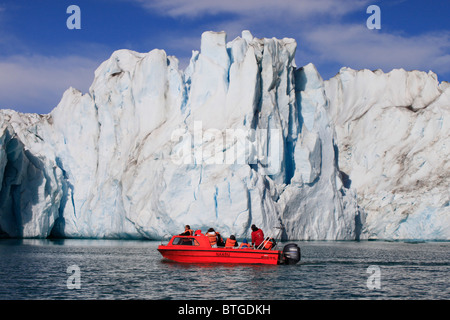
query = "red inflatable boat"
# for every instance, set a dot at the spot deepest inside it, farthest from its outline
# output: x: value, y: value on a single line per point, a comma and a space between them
x: 197, y: 249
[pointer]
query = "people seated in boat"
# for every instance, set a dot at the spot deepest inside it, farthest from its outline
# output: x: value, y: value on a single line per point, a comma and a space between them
x: 214, y: 238
x: 220, y: 242
x: 244, y: 244
x: 231, y: 242
x: 187, y: 231
x: 257, y: 236
x: 269, y: 243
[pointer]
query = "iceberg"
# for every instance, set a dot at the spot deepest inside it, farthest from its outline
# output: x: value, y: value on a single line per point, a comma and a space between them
x: 242, y: 136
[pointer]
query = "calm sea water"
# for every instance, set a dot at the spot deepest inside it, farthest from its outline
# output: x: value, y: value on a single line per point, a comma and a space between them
x: 108, y: 269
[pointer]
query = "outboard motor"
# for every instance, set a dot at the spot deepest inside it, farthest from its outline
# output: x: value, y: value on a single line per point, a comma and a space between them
x: 291, y: 253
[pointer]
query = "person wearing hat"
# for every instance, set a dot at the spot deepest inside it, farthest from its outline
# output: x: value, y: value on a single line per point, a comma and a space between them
x: 257, y: 236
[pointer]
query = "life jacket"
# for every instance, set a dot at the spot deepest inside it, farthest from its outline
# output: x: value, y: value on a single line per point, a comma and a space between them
x: 230, y: 243
x: 245, y: 245
x: 191, y: 232
x: 268, y: 244
x: 212, y: 238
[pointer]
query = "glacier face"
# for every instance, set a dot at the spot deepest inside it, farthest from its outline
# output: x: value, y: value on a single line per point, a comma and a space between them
x: 393, y: 142
x: 241, y: 136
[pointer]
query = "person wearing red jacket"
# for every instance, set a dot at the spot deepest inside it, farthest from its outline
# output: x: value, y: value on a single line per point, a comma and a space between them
x: 257, y: 236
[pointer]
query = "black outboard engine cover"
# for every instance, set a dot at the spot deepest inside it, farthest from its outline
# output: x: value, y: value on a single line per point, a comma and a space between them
x: 291, y: 253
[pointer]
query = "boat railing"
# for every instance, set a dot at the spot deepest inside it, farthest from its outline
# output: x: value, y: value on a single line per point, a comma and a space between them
x: 267, y: 239
x: 166, y: 237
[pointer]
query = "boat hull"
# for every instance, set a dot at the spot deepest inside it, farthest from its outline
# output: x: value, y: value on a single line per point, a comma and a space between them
x: 220, y: 255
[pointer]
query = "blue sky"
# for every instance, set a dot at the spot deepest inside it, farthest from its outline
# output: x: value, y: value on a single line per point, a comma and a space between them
x: 40, y: 57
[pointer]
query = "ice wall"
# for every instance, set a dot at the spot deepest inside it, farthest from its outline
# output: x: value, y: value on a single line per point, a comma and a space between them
x: 393, y: 134
x: 241, y: 136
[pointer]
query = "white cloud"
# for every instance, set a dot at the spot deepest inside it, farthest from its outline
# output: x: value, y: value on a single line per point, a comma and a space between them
x: 358, y: 47
x: 36, y: 83
x: 253, y: 8
x: 322, y: 30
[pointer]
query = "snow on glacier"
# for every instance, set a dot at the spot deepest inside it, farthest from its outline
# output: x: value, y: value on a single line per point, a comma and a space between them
x: 393, y: 138
x: 242, y: 136
x: 30, y: 193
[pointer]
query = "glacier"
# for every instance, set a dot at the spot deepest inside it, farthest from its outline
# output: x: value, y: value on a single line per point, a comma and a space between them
x: 242, y: 136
